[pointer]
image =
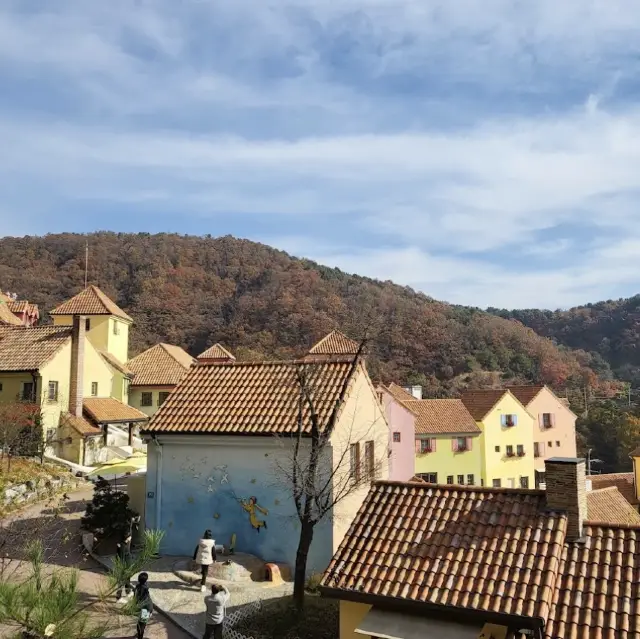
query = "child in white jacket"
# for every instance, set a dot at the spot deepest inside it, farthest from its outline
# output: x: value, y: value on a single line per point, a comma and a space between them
x: 205, y: 555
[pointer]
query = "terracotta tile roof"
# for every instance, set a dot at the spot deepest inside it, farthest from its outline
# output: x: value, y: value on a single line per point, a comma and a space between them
x: 160, y: 365
x: 106, y: 410
x: 7, y: 317
x: 597, y: 592
x: 114, y: 362
x: 491, y: 551
x: 400, y: 393
x: 23, y: 306
x: 4, y: 298
x: 439, y: 416
x: 475, y: 548
x: 624, y: 482
x: 252, y: 398
x: 217, y: 351
x: 608, y: 505
x: 480, y: 402
x: 525, y: 394
x: 402, y: 403
x: 26, y: 349
x: 91, y: 301
x: 79, y: 424
x: 335, y: 343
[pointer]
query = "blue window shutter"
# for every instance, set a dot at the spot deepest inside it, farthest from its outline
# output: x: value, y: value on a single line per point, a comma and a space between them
x: 515, y: 420
x: 503, y: 420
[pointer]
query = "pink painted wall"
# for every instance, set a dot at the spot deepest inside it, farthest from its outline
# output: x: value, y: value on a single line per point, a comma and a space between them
x: 560, y: 439
x: 403, y: 453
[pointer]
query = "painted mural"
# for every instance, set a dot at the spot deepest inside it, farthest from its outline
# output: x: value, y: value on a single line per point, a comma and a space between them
x: 240, y: 500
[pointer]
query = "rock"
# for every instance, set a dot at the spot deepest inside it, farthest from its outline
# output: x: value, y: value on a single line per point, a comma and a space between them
x: 88, y: 541
x: 19, y: 488
x: 31, y: 485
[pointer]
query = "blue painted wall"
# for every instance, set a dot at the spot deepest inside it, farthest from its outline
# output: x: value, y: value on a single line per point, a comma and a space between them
x: 211, y: 486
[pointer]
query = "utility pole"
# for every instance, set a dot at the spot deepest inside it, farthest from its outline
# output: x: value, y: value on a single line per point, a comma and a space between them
x: 86, y: 262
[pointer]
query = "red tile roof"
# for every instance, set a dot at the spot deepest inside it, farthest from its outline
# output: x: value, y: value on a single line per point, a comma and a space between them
x: 480, y: 402
x: 91, y: 301
x: 624, y: 482
x: 7, y: 317
x: 442, y: 416
x: 217, y: 351
x: 160, y: 365
x: 108, y: 410
x: 607, y: 505
x: 525, y: 394
x: 335, y: 343
x: 28, y: 348
x: 491, y: 551
x: 79, y: 424
x: 253, y: 398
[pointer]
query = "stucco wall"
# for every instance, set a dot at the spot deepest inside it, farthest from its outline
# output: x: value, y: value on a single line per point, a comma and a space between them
x: 497, y: 464
x: 135, y: 397
x: 560, y: 439
x: 204, y: 481
x: 351, y: 615
x: 400, y: 420
x: 445, y: 461
x: 12, y: 385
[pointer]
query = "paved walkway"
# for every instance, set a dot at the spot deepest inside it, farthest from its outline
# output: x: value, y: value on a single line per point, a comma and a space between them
x: 61, y: 539
x: 183, y: 603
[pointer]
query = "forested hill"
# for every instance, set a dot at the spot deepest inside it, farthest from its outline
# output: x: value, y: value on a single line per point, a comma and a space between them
x: 611, y: 329
x: 260, y: 302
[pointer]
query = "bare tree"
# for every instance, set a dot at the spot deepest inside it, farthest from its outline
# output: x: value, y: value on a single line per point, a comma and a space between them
x: 317, y: 475
x: 20, y: 429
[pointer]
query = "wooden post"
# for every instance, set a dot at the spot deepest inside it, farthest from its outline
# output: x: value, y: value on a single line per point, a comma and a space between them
x: 131, y: 434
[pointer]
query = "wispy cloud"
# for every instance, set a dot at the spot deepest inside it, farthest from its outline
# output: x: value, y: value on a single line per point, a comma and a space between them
x: 485, y: 153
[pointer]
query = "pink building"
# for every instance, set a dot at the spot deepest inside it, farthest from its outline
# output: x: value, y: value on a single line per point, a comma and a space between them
x: 554, y: 426
x: 402, y: 434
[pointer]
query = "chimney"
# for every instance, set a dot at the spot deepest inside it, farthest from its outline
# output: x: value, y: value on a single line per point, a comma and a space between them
x: 416, y: 391
x: 566, y: 489
x: 77, y: 365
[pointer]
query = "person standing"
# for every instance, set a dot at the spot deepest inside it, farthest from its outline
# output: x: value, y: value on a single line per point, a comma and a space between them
x: 124, y: 555
x: 205, y: 555
x: 144, y: 602
x: 216, y: 604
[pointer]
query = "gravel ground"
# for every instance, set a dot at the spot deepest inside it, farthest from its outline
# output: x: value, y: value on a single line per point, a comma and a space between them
x: 62, y: 541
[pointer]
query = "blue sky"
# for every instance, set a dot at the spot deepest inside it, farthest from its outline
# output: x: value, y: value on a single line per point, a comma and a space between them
x: 485, y: 153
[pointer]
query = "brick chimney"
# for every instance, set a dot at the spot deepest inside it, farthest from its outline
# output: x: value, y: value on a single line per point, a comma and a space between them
x: 565, y: 481
x: 77, y: 365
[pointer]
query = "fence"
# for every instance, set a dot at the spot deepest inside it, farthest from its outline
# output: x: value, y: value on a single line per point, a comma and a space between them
x: 232, y: 619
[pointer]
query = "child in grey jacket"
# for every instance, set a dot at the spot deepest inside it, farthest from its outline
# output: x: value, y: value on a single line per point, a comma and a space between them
x: 216, y: 604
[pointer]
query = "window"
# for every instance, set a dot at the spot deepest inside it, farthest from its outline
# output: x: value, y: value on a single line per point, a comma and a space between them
x: 369, y: 460
x: 550, y: 444
x: 52, y: 392
x: 497, y: 449
x: 396, y: 437
x: 379, y: 394
x: 162, y: 397
x: 524, y: 482
x: 557, y: 443
x: 547, y: 420
x: 509, y: 451
x: 481, y: 482
x: 461, y: 480
x: 470, y: 480
x: 509, y: 420
x: 426, y: 445
x: 27, y: 392
x: 146, y: 399
x: 497, y: 483
x: 449, y: 479
x: 94, y: 389
x: 87, y: 324
x: 430, y: 478
x: 125, y: 386
x: 354, y: 462
x: 520, y: 450
x: 539, y: 478
x: 51, y: 432
x: 116, y: 327
x: 538, y: 449
x: 460, y: 444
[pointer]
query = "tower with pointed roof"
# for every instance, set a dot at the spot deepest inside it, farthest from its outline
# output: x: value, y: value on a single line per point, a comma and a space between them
x: 107, y: 325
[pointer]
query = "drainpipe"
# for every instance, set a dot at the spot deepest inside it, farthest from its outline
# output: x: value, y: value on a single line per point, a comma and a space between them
x: 158, y: 482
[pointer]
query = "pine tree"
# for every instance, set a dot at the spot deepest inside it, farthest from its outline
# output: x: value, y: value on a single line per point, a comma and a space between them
x: 108, y: 515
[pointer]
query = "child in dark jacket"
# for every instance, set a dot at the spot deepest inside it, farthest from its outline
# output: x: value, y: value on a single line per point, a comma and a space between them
x: 144, y: 602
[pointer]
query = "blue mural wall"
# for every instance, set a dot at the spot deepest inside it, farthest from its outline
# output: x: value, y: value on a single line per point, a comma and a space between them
x: 231, y: 491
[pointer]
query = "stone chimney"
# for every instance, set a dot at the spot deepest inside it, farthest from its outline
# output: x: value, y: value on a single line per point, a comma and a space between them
x: 416, y: 391
x: 566, y: 489
x: 77, y: 365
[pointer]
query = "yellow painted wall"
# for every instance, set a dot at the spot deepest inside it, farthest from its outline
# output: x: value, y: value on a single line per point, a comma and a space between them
x: 101, y: 333
x: 444, y: 461
x: 496, y: 464
x: 362, y: 419
x: 135, y: 397
x: 351, y: 615
x: 96, y: 370
x: 12, y: 385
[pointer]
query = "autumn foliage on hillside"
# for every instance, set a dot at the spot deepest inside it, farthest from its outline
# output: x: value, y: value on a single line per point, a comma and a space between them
x: 262, y: 303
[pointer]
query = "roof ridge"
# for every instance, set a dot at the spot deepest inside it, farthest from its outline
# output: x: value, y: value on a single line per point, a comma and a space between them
x: 459, y: 487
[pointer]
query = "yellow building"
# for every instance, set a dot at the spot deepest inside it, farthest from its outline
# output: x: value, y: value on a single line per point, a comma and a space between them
x: 64, y: 366
x: 506, y: 440
x: 156, y: 372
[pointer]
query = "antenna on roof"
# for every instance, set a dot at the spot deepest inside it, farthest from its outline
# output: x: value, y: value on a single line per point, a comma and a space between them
x: 86, y: 262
